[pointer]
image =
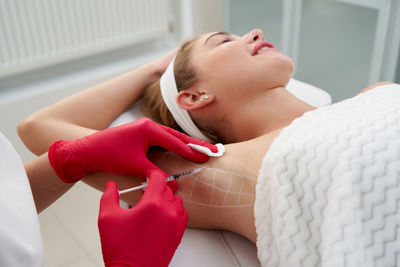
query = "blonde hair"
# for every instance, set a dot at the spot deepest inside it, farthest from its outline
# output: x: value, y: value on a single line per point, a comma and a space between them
x: 153, y: 103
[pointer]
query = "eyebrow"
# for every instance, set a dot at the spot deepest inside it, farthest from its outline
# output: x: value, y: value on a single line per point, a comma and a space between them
x: 214, y: 34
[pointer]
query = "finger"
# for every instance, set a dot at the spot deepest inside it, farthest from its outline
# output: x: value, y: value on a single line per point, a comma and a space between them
x: 185, y: 218
x: 171, y: 54
x: 157, y: 187
x: 110, y: 199
x: 174, y: 144
x: 173, y: 185
x: 179, y: 205
x: 150, y: 167
x: 188, y: 139
x: 183, y: 221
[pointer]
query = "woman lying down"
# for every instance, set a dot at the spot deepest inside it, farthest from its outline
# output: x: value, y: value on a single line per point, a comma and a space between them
x: 309, y: 186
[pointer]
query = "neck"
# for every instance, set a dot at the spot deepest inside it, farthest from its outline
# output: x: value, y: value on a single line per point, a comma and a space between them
x: 273, y: 110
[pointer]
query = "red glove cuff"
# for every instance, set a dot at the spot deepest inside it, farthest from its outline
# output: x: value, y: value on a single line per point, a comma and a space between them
x: 63, y: 164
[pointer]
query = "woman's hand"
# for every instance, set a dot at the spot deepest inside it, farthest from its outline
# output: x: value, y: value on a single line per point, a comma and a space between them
x: 161, y: 64
x: 121, y: 150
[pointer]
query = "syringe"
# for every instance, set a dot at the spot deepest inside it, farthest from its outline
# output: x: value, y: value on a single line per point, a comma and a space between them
x: 169, y: 178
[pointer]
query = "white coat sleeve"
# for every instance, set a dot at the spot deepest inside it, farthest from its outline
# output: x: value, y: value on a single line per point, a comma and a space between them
x: 20, y: 239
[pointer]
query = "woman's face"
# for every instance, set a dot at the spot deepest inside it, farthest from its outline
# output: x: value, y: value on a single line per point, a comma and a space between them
x: 227, y: 63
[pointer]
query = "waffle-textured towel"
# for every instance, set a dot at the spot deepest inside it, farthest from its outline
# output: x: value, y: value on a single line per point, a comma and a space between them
x: 328, y: 192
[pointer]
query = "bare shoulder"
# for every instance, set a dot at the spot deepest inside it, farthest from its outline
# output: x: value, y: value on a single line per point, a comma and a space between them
x: 252, y: 152
x: 372, y: 86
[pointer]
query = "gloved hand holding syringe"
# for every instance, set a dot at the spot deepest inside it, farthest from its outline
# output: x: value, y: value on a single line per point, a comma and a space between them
x: 204, y: 150
x: 169, y: 178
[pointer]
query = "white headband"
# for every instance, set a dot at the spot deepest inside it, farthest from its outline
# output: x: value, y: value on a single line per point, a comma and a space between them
x: 169, y: 92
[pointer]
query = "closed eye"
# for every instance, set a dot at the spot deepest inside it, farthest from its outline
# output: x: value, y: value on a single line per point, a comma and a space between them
x: 225, y: 41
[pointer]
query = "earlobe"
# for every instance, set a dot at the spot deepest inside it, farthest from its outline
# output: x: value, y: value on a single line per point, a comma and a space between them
x: 193, y: 100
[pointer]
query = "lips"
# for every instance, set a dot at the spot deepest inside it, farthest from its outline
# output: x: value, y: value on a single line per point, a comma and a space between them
x: 260, y: 45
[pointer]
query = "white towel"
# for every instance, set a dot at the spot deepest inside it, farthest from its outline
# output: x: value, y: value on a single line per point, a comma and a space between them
x: 328, y: 192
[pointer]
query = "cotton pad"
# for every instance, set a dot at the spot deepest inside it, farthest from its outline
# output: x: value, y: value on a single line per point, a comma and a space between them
x: 207, y: 151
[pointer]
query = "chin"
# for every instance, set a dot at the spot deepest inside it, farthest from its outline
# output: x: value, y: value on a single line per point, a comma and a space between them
x: 288, y: 68
x: 286, y: 72
x: 283, y: 78
x: 287, y: 61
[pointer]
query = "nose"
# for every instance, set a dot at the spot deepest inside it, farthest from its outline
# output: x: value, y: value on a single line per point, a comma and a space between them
x: 254, y: 36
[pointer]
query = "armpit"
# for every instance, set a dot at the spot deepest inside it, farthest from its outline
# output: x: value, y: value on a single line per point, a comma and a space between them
x: 223, y: 182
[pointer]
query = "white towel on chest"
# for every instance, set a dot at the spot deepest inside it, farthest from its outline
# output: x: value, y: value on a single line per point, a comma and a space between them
x: 328, y: 192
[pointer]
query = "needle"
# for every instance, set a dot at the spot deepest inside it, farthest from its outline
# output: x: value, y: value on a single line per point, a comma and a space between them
x: 169, y: 178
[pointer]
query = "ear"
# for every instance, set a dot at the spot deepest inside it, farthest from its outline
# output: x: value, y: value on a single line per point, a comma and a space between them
x: 192, y: 100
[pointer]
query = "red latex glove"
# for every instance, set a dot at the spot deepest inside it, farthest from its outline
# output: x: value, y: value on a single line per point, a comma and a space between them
x: 120, y: 150
x: 146, y: 235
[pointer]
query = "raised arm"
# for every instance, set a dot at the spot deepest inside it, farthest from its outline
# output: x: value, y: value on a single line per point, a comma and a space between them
x: 92, y: 109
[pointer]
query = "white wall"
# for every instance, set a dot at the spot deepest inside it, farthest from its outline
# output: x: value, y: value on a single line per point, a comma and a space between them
x: 201, y: 17
x: 24, y: 94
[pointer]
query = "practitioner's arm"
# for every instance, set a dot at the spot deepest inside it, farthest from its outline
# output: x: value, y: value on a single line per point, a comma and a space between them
x: 94, y: 108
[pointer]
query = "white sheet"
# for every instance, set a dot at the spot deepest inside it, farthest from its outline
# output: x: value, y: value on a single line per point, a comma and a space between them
x: 328, y: 192
x: 308, y: 93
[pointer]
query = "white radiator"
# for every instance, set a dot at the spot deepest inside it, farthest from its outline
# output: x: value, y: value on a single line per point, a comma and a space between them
x: 38, y: 33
